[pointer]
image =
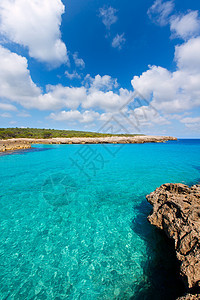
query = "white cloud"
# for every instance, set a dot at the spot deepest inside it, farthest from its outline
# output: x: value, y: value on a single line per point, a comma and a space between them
x: 191, y: 120
x: 168, y: 92
x: 177, y: 116
x: 79, y: 62
x: 36, y: 25
x: 173, y: 92
x: 118, y: 41
x: 75, y: 116
x: 153, y: 80
x: 6, y: 106
x: 192, y: 123
x: 5, y: 115
x: 103, y: 83
x: 107, y: 101
x: 187, y: 55
x: 15, y: 81
x: 137, y: 120
x: 160, y: 11
x: 16, y: 85
x: 73, y: 75
x: 185, y: 26
x: 59, y: 96
x: 108, y: 16
x: 146, y: 115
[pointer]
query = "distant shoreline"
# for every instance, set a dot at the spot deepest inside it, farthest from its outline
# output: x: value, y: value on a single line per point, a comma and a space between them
x: 25, y: 143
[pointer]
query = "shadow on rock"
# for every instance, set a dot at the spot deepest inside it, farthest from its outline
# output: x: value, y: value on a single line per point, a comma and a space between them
x: 161, y: 268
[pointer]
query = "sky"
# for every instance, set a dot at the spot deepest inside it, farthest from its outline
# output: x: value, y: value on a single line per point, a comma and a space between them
x: 107, y: 66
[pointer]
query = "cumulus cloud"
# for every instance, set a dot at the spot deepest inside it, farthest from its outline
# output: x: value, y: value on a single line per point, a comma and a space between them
x: 173, y: 92
x: 96, y: 94
x: 147, y: 115
x: 160, y: 11
x: 107, y: 101
x: 15, y: 80
x: 16, y: 85
x: 100, y: 97
x: 79, y: 62
x: 75, y: 116
x: 36, y: 25
x: 187, y: 56
x: 113, y: 122
x: 178, y: 91
x: 73, y: 75
x: 79, y: 103
x: 185, y: 26
x: 108, y: 16
x: 118, y: 41
x: 103, y: 83
x: 59, y: 96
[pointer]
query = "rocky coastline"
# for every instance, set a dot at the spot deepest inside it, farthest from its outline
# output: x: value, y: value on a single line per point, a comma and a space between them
x: 25, y: 143
x: 176, y: 211
x: 11, y: 145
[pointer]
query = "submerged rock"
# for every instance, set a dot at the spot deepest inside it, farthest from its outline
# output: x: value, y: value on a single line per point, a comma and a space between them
x: 176, y: 210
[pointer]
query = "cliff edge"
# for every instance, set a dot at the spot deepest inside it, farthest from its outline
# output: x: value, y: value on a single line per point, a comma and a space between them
x: 176, y: 210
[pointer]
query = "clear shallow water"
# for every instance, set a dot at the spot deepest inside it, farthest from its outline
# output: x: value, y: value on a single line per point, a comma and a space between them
x: 68, y: 233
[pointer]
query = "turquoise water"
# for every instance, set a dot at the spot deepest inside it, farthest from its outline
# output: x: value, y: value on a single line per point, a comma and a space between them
x: 73, y: 220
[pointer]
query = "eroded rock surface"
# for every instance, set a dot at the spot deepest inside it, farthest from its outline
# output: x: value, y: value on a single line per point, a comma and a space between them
x: 13, y: 144
x: 176, y: 210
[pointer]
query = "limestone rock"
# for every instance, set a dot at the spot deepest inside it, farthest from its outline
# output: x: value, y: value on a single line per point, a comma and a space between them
x: 23, y: 143
x: 13, y: 144
x: 176, y: 210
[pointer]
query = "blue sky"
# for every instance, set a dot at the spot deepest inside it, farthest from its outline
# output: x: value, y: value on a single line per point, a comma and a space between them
x: 130, y: 67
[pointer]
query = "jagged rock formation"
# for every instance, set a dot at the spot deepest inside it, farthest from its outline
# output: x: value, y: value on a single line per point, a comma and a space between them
x: 176, y: 210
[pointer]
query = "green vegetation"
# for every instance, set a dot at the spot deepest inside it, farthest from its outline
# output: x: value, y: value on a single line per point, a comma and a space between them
x: 8, y: 133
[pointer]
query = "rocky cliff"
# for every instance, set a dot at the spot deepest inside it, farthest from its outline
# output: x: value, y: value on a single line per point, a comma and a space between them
x: 176, y: 210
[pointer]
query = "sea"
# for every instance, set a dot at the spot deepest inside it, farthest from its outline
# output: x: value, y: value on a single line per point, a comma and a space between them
x: 73, y: 220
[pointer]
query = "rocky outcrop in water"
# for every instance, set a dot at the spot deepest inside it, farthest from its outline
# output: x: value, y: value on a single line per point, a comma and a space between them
x: 13, y: 144
x: 176, y: 210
